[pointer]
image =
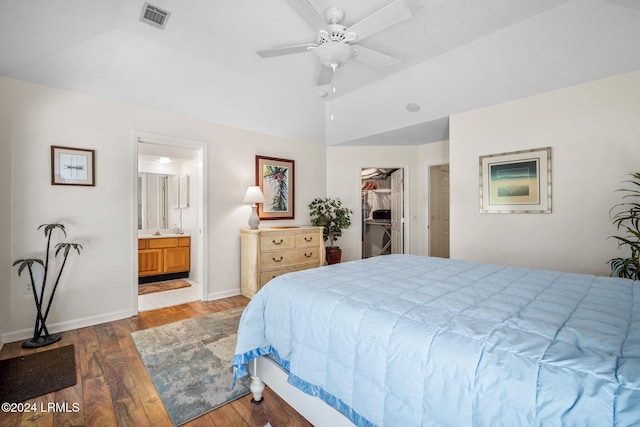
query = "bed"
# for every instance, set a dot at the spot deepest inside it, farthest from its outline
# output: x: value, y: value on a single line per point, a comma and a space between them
x: 404, y: 340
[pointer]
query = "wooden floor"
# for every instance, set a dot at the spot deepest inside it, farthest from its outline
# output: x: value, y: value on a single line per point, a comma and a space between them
x: 114, y: 389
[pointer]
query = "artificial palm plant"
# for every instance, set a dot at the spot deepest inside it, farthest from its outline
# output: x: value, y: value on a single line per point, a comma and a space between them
x: 41, y: 335
x: 626, y: 216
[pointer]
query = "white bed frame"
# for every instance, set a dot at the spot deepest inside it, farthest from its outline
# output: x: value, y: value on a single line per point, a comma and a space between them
x: 264, y: 370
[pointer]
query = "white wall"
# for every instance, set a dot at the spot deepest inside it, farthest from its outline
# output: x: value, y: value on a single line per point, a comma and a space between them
x: 594, y: 132
x: 97, y: 285
x: 344, y: 165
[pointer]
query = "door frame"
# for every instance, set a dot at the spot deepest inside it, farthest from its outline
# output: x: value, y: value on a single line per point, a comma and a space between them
x: 202, y: 245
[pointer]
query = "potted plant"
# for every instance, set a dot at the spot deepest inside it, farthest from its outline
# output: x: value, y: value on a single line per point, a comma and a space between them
x: 334, y: 217
x: 41, y: 336
x: 626, y: 216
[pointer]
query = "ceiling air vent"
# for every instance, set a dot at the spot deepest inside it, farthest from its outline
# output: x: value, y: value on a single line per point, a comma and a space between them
x: 154, y: 16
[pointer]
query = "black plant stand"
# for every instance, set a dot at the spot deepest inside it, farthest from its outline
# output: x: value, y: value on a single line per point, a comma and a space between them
x: 41, y: 341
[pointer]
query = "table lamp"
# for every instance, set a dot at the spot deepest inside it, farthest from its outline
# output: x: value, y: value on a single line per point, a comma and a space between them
x: 253, y: 195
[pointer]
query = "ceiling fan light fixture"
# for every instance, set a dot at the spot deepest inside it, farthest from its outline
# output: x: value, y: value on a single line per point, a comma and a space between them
x: 333, y: 43
x: 334, y: 53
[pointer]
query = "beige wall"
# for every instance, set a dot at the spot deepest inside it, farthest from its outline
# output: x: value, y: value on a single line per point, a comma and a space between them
x: 594, y: 132
x: 593, y: 129
x: 98, y: 285
x: 344, y: 165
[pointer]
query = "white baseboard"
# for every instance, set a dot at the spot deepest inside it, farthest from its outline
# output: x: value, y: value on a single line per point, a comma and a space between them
x: 223, y: 294
x: 66, y: 325
x: 69, y: 325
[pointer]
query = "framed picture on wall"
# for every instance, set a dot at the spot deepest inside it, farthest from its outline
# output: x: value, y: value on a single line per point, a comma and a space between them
x: 275, y: 177
x: 516, y: 182
x: 72, y: 166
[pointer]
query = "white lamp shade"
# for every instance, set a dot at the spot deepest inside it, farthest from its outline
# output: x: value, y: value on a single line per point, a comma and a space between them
x: 253, y: 195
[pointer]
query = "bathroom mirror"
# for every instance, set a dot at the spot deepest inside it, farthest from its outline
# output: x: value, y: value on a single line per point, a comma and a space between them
x: 160, y: 199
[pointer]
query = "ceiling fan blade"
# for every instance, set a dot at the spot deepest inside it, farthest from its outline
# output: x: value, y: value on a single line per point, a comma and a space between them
x: 378, y: 21
x: 376, y: 59
x: 324, y: 75
x: 285, y: 50
x: 307, y: 13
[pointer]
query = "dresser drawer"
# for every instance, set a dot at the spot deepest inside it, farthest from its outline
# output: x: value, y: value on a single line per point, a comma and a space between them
x: 275, y: 241
x: 279, y: 259
x: 268, y: 275
x: 308, y: 240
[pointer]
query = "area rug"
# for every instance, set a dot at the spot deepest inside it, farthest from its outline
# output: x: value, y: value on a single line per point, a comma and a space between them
x: 150, y: 288
x: 189, y: 363
x: 25, y: 377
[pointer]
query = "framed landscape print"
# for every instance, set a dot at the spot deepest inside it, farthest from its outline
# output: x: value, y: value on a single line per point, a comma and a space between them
x: 516, y: 182
x: 72, y: 166
x: 275, y: 178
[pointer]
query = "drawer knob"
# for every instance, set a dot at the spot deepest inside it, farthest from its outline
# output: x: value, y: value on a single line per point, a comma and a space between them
x: 308, y: 255
x: 308, y: 239
x: 277, y: 260
x: 278, y: 243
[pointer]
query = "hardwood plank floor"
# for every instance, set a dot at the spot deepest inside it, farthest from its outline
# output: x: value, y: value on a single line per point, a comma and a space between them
x: 114, y: 389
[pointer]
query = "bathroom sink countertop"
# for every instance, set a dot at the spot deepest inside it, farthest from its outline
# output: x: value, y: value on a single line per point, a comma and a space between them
x: 165, y: 234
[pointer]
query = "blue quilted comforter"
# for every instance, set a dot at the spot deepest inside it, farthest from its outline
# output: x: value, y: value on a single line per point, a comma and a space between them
x: 404, y: 340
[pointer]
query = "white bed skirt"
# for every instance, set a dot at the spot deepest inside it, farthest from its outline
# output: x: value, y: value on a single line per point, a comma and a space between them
x: 312, y: 408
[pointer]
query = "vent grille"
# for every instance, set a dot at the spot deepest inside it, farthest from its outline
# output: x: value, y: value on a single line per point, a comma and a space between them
x: 154, y: 16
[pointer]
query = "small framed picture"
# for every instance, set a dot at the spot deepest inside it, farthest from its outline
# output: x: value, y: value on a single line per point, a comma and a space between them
x: 275, y: 179
x: 516, y: 182
x: 72, y: 166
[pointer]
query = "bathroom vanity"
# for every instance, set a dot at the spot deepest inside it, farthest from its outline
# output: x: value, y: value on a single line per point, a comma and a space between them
x: 163, y: 257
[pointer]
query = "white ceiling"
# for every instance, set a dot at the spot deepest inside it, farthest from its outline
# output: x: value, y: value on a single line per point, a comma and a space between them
x: 457, y: 55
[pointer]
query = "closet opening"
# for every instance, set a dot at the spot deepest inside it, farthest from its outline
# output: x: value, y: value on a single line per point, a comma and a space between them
x: 382, y: 211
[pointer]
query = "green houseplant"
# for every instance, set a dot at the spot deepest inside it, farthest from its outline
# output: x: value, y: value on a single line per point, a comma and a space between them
x: 41, y: 335
x: 626, y: 217
x: 330, y: 214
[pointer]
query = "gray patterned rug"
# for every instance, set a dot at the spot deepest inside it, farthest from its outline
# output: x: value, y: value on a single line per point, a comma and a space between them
x: 190, y: 363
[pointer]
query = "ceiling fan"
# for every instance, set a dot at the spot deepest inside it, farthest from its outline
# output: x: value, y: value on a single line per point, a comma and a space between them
x: 336, y: 43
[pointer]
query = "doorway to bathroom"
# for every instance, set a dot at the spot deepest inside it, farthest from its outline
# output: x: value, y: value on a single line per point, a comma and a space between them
x: 170, y: 221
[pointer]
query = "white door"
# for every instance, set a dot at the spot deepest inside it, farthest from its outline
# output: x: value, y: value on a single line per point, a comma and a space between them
x: 397, y: 212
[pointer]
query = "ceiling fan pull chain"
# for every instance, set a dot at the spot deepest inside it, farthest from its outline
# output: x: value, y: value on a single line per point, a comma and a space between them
x: 333, y: 85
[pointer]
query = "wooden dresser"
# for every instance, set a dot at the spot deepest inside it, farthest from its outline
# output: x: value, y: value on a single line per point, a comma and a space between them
x: 270, y: 252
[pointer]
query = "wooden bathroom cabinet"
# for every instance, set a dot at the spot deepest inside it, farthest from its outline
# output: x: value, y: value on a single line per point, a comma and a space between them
x: 163, y: 255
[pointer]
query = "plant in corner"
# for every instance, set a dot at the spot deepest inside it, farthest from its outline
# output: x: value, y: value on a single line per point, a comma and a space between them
x: 626, y: 216
x: 334, y: 217
x: 41, y: 336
